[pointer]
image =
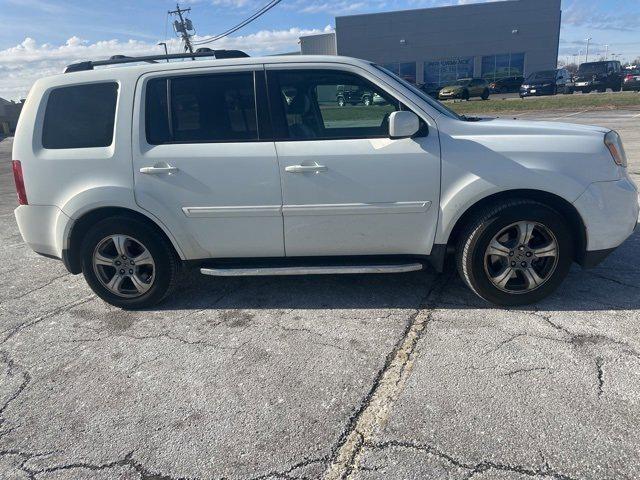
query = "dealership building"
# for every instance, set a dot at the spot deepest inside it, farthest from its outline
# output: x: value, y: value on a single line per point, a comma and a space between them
x: 439, y: 45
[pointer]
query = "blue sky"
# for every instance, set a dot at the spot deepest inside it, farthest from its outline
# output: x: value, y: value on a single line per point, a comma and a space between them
x: 38, y: 36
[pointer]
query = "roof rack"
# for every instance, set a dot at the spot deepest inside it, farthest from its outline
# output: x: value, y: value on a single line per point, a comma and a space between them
x: 117, y: 59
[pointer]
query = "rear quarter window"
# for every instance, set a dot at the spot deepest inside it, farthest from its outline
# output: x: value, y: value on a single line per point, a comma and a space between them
x: 80, y: 116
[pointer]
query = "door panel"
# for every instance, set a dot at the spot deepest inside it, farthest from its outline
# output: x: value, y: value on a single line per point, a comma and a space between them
x: 344, y: 195
x: 377, y: 196
x: 223, y: 196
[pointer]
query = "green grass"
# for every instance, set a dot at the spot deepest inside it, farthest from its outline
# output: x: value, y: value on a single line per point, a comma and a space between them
x: 607, y: 101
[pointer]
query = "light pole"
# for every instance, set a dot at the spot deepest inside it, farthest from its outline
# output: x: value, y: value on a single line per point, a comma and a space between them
x: 164, y: 44
x: 586, y: 57
x: 606, y: 51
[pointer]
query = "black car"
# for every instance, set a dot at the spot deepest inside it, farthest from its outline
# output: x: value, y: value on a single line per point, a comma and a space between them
x: 547, y: 82
x: 353, y: 95
x: 431, y: 89
x: 506, y: 85
x: 599, y: 76
x: 631, y: 80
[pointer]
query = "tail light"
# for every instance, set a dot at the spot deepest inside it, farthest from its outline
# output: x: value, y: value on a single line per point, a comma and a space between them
x: 628, y: 78
x: 19, y: 180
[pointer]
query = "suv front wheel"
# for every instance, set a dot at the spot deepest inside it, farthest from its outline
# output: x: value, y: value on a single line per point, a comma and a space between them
x: 127, y: 264
x: 515, y: 253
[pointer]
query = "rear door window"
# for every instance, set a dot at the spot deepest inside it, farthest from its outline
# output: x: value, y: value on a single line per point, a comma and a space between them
x: 80, y: 116
x: 201, y: 109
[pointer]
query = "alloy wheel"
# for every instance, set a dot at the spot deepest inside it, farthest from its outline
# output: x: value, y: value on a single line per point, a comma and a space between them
x: 124, y: 266
x: 521, y: 257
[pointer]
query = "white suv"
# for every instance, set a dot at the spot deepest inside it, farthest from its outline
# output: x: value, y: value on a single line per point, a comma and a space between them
x: 248, y: 166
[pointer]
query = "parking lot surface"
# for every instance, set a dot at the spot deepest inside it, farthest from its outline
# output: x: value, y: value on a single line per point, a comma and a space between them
x: 367, y: 377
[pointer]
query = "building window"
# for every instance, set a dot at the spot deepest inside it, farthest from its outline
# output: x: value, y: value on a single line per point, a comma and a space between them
x: 405, y: 70
x: 447, y: 71
x: 501, y: 66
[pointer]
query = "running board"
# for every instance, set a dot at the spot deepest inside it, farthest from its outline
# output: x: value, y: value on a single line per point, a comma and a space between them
x: 311, y: 270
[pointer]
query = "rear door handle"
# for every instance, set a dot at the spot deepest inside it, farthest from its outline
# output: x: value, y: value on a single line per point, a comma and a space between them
x: 305, y: 168
x: 158, y: 169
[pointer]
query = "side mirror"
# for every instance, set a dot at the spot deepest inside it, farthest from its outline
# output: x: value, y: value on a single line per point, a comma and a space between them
x: 403, y: 124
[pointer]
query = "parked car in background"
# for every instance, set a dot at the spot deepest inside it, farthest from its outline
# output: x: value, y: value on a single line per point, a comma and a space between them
x: 466, y: 88
x: 431, y: 89
x: 506, y: 85
x: 599, y: 76
x: 348, y: 94
x: 631, y: 80
x: 547, y: 82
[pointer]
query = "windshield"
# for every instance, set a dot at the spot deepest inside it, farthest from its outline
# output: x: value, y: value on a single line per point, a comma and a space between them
x: 423, y: 96
x: 591, y: 68
x: 545, y: 75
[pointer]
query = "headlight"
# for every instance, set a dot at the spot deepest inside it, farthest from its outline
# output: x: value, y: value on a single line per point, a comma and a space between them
x: 614, y: 143
x: 525, y: 86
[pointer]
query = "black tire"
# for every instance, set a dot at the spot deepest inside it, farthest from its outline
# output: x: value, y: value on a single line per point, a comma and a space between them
x: 167, y: 264
x: 341, y: 102
x: 465, y: 95
x: 366, y: 101
x: 485, y: 94
x: 481, y: 229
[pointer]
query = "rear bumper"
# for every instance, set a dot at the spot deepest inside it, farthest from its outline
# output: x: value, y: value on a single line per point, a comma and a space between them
x: 41, y: 227
x: 610, y: 213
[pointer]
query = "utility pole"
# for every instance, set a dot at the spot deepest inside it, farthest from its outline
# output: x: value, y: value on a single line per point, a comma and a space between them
x: 586, y: 57
x: 183, y: 26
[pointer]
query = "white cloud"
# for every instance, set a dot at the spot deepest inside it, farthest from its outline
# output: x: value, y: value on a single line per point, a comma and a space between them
x: 24, y: 63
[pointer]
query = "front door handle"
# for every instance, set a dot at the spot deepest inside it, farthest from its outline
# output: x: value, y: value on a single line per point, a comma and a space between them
x: 305, y: 168
x: 158, y: 169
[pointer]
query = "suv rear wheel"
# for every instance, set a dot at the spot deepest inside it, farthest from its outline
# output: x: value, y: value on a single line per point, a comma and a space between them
x: 515, y: 253
x: 127, y: 264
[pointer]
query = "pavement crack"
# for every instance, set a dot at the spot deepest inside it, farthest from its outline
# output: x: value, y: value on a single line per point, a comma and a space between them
x: 30, y: 323
x: 612, y: 280
x: 503, y: 343
x: 600, y: 374
x: 473, y: 468
x: 388, y: 383
x: 26, y: 380
x: 286, y: 473
x: 524, y: 370
x: 127, y: 461
x: 28, y: 292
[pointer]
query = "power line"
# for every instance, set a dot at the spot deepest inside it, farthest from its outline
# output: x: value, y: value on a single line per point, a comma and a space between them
x: 245, y: 22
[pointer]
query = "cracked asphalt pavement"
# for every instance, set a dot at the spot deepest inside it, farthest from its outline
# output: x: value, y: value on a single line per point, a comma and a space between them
x: 364, y: 377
